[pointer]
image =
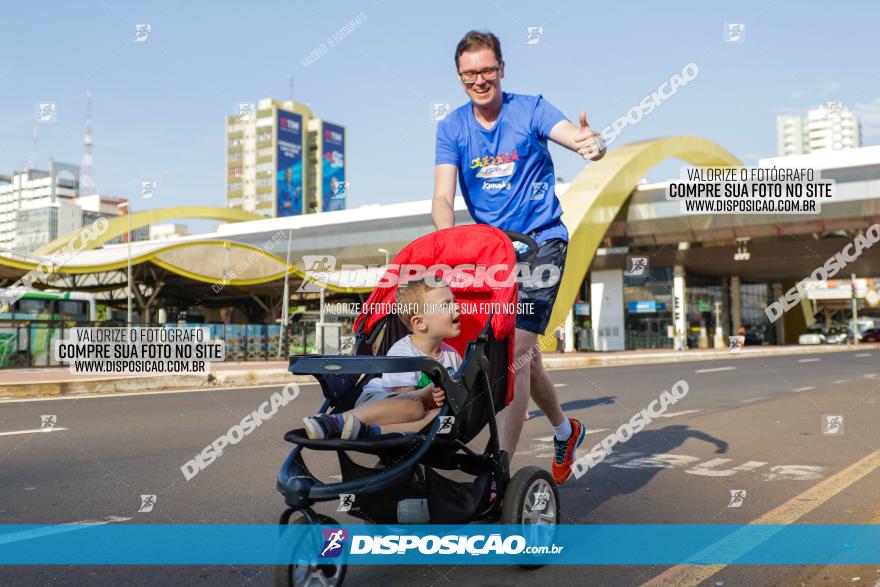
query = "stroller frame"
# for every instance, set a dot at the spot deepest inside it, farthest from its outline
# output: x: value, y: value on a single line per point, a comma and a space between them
x: 338, y: 375
x: 410, y: 462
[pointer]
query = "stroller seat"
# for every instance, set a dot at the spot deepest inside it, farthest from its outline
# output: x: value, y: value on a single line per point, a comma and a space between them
x: 374, y: 446
x: 414, y: 465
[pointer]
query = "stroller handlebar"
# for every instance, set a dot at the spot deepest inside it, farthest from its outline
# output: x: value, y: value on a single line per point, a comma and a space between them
x: 328, y: 366
x: 518, y: 237
x: 349, y: 365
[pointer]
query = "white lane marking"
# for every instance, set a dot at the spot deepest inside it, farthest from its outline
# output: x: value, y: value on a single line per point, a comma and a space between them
x: 710, y: 468
x: 809, y: 360
x: 752, y: 399
x: 707, y: 469
x: 640, y: 460
x: 676, y: 414
x: 57, y: 529
x: 33, y: 431
x: 860, y: 355
x: 841, y: 381
x: 807, y: 388
x: 714, y: 369
x: 658, y: 461
x: 130, y: 393
x: 560, y: 385
x: 793, y: 473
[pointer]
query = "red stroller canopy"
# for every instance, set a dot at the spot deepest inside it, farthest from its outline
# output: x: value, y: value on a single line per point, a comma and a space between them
x: 479, y: 264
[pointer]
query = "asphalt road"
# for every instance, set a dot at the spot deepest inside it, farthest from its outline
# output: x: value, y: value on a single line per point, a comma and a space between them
x: 746, y: 424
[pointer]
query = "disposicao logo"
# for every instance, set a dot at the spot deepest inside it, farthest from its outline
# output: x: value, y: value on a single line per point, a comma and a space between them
x: 334, y: 539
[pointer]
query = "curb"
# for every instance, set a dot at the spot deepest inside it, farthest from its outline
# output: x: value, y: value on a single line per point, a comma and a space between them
x: 223, y: 379
x: 563, y: 362
x: 252, y: 377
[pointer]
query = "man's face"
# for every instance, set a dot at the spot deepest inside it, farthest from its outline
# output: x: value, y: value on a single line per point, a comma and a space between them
x: 440, y: 316
x: 481, y: 92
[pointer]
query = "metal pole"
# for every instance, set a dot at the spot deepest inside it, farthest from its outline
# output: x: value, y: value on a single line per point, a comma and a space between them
x: 128, y: 213
x: 855, y: 311
x: 285, y: 302
x: 321, y: 322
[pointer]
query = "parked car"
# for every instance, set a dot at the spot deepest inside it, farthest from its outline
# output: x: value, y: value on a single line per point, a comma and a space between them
x: 871, y: 335
x: 813, y: 335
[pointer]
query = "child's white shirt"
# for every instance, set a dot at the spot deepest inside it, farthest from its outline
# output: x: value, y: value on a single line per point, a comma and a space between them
x: 404, y: 347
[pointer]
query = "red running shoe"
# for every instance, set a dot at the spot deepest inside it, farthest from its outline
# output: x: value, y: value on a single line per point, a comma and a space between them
x: 564, y: 449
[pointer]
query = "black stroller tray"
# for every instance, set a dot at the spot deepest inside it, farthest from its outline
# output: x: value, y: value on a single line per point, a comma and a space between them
x: 374, y: 446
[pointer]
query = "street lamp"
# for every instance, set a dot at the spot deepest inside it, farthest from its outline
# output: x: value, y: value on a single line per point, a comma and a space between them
x: 285, y: 303
x: 128, y: 215
x: 386, y: 255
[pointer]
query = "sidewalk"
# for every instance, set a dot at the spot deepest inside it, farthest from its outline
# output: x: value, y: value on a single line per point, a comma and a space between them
x: 58, y: 381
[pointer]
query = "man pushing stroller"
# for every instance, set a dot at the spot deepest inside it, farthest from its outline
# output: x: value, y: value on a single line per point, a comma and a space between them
x: 496, y: 146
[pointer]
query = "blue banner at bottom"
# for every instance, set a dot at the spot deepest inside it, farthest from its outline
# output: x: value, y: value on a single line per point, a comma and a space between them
x: 475, y: 544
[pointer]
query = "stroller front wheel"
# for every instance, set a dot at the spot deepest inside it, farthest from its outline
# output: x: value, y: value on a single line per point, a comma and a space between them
x: 310, y: 575
x: 532, y: 501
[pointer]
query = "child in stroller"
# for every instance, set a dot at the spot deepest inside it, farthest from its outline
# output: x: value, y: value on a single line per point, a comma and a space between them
x: 402, y: 402
x: 411, y: 465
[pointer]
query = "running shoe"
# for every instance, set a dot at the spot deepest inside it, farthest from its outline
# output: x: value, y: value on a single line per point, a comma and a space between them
x: 564, y: 449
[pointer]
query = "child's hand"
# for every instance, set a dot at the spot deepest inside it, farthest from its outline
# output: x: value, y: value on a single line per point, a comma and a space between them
x: 439, y: 397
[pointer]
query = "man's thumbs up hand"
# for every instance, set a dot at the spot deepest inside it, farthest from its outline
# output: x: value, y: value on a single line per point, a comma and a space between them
x: 589, y: 144
x: 584, y: 120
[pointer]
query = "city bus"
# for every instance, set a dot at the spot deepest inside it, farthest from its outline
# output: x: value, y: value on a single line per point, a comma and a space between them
x: 30, y: 326
x: 51, y: 306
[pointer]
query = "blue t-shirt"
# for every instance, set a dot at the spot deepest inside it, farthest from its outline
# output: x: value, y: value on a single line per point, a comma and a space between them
x: 506, y: 173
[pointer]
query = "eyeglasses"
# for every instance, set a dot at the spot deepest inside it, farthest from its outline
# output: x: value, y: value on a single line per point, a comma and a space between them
x: 470, y: 77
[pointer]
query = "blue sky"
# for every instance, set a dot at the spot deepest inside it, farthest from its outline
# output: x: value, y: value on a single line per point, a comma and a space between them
x: 159, y: 106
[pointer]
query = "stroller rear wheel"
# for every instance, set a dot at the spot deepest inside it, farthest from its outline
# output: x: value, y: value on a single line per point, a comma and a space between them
x: 310, y: 575
x: 532, y: 501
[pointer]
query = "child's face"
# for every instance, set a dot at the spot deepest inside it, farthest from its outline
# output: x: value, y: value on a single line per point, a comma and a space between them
x: 440, y: 317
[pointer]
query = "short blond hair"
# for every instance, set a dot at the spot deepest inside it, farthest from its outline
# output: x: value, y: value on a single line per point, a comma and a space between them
x: 410, y: 297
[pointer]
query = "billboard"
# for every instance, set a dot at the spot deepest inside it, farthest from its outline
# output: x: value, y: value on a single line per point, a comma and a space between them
x: 289, y: 178
x: 334, y: 188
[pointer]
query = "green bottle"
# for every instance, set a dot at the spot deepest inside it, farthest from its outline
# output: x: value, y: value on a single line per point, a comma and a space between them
x: 424, y: 381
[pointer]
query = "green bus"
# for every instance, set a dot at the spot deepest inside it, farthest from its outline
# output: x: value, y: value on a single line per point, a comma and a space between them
x: 31, y: 324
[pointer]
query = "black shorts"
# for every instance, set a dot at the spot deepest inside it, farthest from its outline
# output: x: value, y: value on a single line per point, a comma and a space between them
x: 538, y: 294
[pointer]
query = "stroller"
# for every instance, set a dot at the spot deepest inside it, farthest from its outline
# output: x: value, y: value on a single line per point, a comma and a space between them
x: 408, y: 474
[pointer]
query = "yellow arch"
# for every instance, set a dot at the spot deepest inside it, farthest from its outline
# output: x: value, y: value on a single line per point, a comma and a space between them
x: 119, y: 225
x: 597, y: 194
x: 154, y: 257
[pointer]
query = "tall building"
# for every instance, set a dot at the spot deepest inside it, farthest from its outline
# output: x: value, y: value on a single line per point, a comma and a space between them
x: 791, y: 136
x: 96, y: 205
x: 167, y: 231
x: 101, y: 205
x: 830, y: 127
x: 34, y: 188
x: 137, y: 234
x: 282, y: 160
x: 35, y: 227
